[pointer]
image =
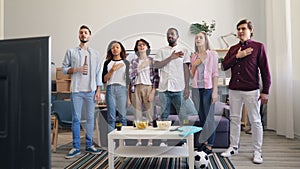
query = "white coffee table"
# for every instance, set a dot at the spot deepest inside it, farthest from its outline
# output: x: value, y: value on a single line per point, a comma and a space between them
x: 129, y: 132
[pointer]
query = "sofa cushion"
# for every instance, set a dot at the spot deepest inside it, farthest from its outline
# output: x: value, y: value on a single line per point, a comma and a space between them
x: 222, y: 124
x: 219, y: 108
x: 222, y: 140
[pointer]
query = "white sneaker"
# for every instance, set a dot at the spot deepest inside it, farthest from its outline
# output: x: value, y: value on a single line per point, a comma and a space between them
x: 163, y: 144
x: 138, y: 143
x: 230, y: 152
x: 257, y: 158
x: 149, y: 143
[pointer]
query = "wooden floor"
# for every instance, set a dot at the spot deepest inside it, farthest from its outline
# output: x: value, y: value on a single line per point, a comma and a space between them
x: 278, y: 152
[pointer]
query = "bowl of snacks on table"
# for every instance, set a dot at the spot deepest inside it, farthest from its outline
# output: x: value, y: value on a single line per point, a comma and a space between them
x: 164, y: 125
x: 141, y: 124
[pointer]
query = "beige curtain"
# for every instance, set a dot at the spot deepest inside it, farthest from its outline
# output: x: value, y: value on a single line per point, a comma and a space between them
x: 1, y: 19
x: 279, y: 48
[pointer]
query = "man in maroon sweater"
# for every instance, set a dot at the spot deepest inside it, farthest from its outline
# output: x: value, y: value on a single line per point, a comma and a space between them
x: 247, y: 61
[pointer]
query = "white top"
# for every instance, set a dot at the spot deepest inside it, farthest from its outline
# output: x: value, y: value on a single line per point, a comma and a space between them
x: 84, y: 80
x: 118, y: 77
x: 172, y: 74
x: 144, y: 74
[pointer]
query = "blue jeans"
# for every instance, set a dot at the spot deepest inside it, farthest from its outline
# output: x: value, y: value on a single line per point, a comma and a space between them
x: 166, y: 99
x: 116, y: 100
x: 202, y: 99
x: 77, y: 99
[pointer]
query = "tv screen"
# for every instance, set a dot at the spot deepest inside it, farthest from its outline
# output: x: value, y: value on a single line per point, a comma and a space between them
x: 24, y: 103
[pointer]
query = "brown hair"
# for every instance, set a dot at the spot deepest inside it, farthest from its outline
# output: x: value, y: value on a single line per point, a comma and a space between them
x: 136, y: 47
x: 85, y: 27
x: 109, y: 55
x: 249, y: 25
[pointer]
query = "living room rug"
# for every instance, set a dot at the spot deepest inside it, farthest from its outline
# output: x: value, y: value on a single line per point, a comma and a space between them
x: 100, y: 161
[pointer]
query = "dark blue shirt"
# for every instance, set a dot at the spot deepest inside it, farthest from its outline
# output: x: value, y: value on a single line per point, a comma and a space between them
x: 245, y: 71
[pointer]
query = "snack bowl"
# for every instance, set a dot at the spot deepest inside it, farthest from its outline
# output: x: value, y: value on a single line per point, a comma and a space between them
x: 141, y: 124
x: 164, y: 125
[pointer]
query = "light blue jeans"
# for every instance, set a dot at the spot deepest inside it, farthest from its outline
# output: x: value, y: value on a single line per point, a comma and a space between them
x: 166, y: 99
x: 77, y: 99
x: 116, y: 100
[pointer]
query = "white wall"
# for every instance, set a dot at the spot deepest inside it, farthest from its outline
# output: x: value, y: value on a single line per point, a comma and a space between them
x: 116, y: 20
x: 61, y: 19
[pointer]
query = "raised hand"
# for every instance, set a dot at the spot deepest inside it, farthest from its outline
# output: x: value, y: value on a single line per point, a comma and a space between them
x: 143, y: 65
x: 117, y: 66
x: 197, y: 62
x: 243, y: 53
x: 176, y: 55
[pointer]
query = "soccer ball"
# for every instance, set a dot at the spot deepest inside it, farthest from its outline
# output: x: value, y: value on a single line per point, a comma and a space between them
x: 201, y: 159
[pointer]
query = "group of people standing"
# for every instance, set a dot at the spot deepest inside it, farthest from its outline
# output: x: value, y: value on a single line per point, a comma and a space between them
x: 168, y: 72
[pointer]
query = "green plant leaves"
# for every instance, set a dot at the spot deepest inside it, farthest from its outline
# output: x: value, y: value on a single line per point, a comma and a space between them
x: 195, y: 28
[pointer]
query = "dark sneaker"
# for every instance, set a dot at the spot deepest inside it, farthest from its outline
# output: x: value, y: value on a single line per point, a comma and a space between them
x: 72, y: 153
x: 207, y: 151
x: 248, y: 131
x: 92, y: 150
x: 201, y: 147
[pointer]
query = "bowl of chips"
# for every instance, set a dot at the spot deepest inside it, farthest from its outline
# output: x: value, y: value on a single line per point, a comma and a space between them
x: 164, y: 125
x: 140, y: 124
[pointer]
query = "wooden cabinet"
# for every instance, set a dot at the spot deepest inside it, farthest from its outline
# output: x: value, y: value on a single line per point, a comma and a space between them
x: 61, y: 86
x: 224, y: 78
x: 223, y: 93
x: 63, y: 81
x: 221, y: 52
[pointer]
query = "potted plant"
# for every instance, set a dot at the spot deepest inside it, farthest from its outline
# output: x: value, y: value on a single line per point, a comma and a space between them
x: 220, y: 59
x: 195, y: 28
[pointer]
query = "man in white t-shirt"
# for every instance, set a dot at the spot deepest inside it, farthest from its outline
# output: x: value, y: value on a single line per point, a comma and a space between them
x: 173, y: 64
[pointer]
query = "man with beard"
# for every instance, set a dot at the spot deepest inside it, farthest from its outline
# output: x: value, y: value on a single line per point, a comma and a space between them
x: 173, y: 64
x: 83, y: 63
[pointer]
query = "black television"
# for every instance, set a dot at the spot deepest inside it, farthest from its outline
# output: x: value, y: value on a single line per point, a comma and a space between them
x: 24, y: 103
